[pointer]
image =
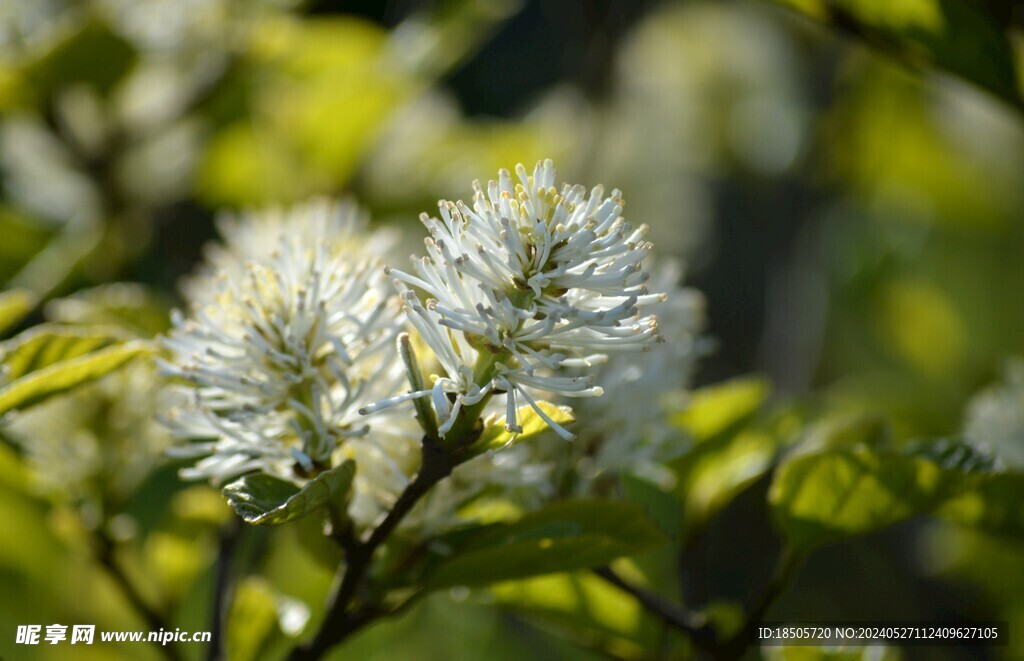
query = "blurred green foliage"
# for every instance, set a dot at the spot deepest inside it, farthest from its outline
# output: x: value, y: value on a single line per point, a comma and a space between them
x: 848, y: 191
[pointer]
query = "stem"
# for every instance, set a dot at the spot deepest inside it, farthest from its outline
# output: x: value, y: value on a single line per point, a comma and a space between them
x: 153, y: 618
x: 692, y: 624
x: 221, y: 597
x: 465, y: 430
x: 483, y: 371
x: 340, y: 622
x: 696, y: 627
x: 439, y: 458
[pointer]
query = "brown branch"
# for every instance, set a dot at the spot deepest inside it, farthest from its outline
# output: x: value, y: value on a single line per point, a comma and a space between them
x: 341, y: 621
x: 694, y: 625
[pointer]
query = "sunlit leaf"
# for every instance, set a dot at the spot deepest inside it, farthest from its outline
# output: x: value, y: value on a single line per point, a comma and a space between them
x: 578, y: 600
x: 66, y: 373
x: 803, y: 652
x: 495, y: 436
x: 252, y: 620
x: 14, y: 305
x: 561, y: 537
x: 307, y: 48
x: 714, y: 472
x: 328, y: 88
x: 994, y: 506
x: 846, y: 431
x: 175, y: 560
x: 711, y: 476
x: 822, y: 498
x: 919, y: 322
x: 93, y: 54
x: 259, y: 618
x: 46, y: 344
x: 713, y: 410
x: 244, y: 165
x: 265, y: 500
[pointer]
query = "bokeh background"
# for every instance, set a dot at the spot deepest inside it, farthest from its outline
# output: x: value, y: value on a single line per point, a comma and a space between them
x: 845, y: 189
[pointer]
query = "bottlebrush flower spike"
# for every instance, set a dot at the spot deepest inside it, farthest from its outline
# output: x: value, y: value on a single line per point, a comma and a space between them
x: 525, y: 282
x: 277, y: 356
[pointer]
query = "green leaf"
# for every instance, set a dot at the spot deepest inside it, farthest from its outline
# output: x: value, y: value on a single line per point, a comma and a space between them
x: 252, y: 620
x: 264, y: 500
x: 718, y: 409
x: 715, y: 471
x: 960, y: 36
x: 576, y: 601
x: 847, y: 431
x: 48, y: 344
x: 93, y: 55
x: 261, y: 619
x: 495, y: 437
x: 713, y: 474
x: 323, y: 550
x: 58, y: 377
x: 561, y: 537
x: 14, y: 305
x: 821, y: 498
x: 994, y: 506
x: 662, y: 506
x: 23, y: 237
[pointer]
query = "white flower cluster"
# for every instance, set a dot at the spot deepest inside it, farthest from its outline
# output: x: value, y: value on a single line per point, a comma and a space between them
x: 342, y: 225
x: 995, y: 418
x: 529, y: 293
x: 526, y: 282
x: 628, y: 429
x: 283, y: 347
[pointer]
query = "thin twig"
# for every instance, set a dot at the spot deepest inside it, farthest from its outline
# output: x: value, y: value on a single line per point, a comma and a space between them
x: 693, y: 625
x: 696, y: 626
x: 341, y: 621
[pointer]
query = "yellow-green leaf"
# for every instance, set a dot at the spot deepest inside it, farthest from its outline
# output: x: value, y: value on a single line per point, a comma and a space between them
x: 261, y: 620
x: 59, y: 377
x: 495, y: 436
x: 994, y: 506
x: 47, y: 344
x: 560, y: 537
x: 714, y: 410
x: 14, y: 305
x: 579, y: 600
x: 822, y: 498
